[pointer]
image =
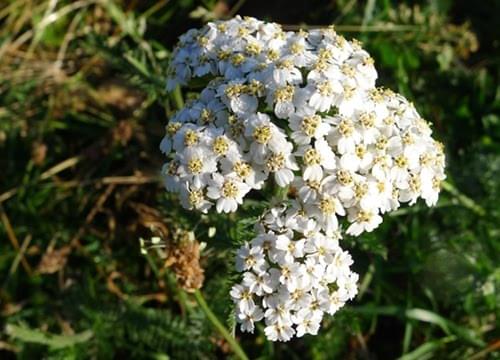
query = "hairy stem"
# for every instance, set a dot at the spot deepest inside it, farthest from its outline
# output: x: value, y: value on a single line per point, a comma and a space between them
x: 219, y: 326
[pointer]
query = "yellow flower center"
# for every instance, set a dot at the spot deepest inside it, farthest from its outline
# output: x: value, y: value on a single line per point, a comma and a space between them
x: 297, y: 294
x: 364, y: 216
x: 234, y: 90
x: 348, y: 70
x: 253, y: 48
x: 255, y: 87
x: 312, y: 157
x: 285, y: 64
x: 380, y: 160
x: 242, y: 169
x: 297, y: 48
x: 280, y: 34
x: 229, y: 189
x: 242, y: 32
x: 415, y: 183
x: 407, y: 139
x: 324, y: 88
x: 313, y: 184
x: 172, y: 128
x: 436, y: 183
x: 250, y: 261
x: 360, y: 190
x: 222, y: 27
x: 266, y: 245
x: 273, y: 55
x: 360, y: 151
x: 223, y: 54
x: 237, y: 59
x: 426, y: 159
x: 395, y: 193
x: 344, y: 177
x: 237, y: 129
x: 276, y: 162
x: 381, y: 186
x: 423, y: 125
x: 190, y: 138
x: 202, y: 40
x: 206, y: 116
x: 284, y: 94
x: 401, y: 161
x: 220, y: 145
x: 348, y: 91
x: 195, y: 197
x: 321, y: 65
x: 195, y: 166
x: 262, y: 134
x: 368, y: 61
x: 389, y: 121
x: 285, y: 271
x: 340, y: 41
x: 346, y: 128
x: 367, y: 120
x: 324, y: 54
x: 376, y: 95
x: 356, y: 44
x: 381, y: 143
x: 172, y: 168
x: 327, y: 206
x: 246, y: 294
x: 310, y: 124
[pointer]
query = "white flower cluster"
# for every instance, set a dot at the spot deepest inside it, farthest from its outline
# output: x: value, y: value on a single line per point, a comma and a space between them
x: 292, y: 274
x: 303, y: 109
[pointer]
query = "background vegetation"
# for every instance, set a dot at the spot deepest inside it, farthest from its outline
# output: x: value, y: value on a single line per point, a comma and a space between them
x: 82, y: 112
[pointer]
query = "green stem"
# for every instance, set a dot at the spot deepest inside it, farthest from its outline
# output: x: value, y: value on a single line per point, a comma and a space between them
x: 177, y: 98
x: 235, y: 8
x: 463, y: 199
x: 180, y: 294
x: 219, y: 326
x: 172, y: 285
x: 282, y: 193
x: 367, y: 279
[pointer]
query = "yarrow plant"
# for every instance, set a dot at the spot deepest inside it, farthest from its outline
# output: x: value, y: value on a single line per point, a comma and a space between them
x: 299, y: 110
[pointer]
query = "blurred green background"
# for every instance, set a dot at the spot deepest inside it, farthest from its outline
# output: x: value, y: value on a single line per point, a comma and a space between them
x: 82, y: 112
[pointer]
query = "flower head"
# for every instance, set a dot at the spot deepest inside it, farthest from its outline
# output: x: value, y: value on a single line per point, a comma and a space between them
x: 298, y: 111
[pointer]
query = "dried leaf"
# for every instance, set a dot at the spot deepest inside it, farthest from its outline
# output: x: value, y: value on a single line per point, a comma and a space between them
x: 54, y: 260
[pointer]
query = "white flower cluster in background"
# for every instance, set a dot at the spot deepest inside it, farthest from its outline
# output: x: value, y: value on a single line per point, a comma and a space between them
x: 300, y: 110
x: 292, y: 274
